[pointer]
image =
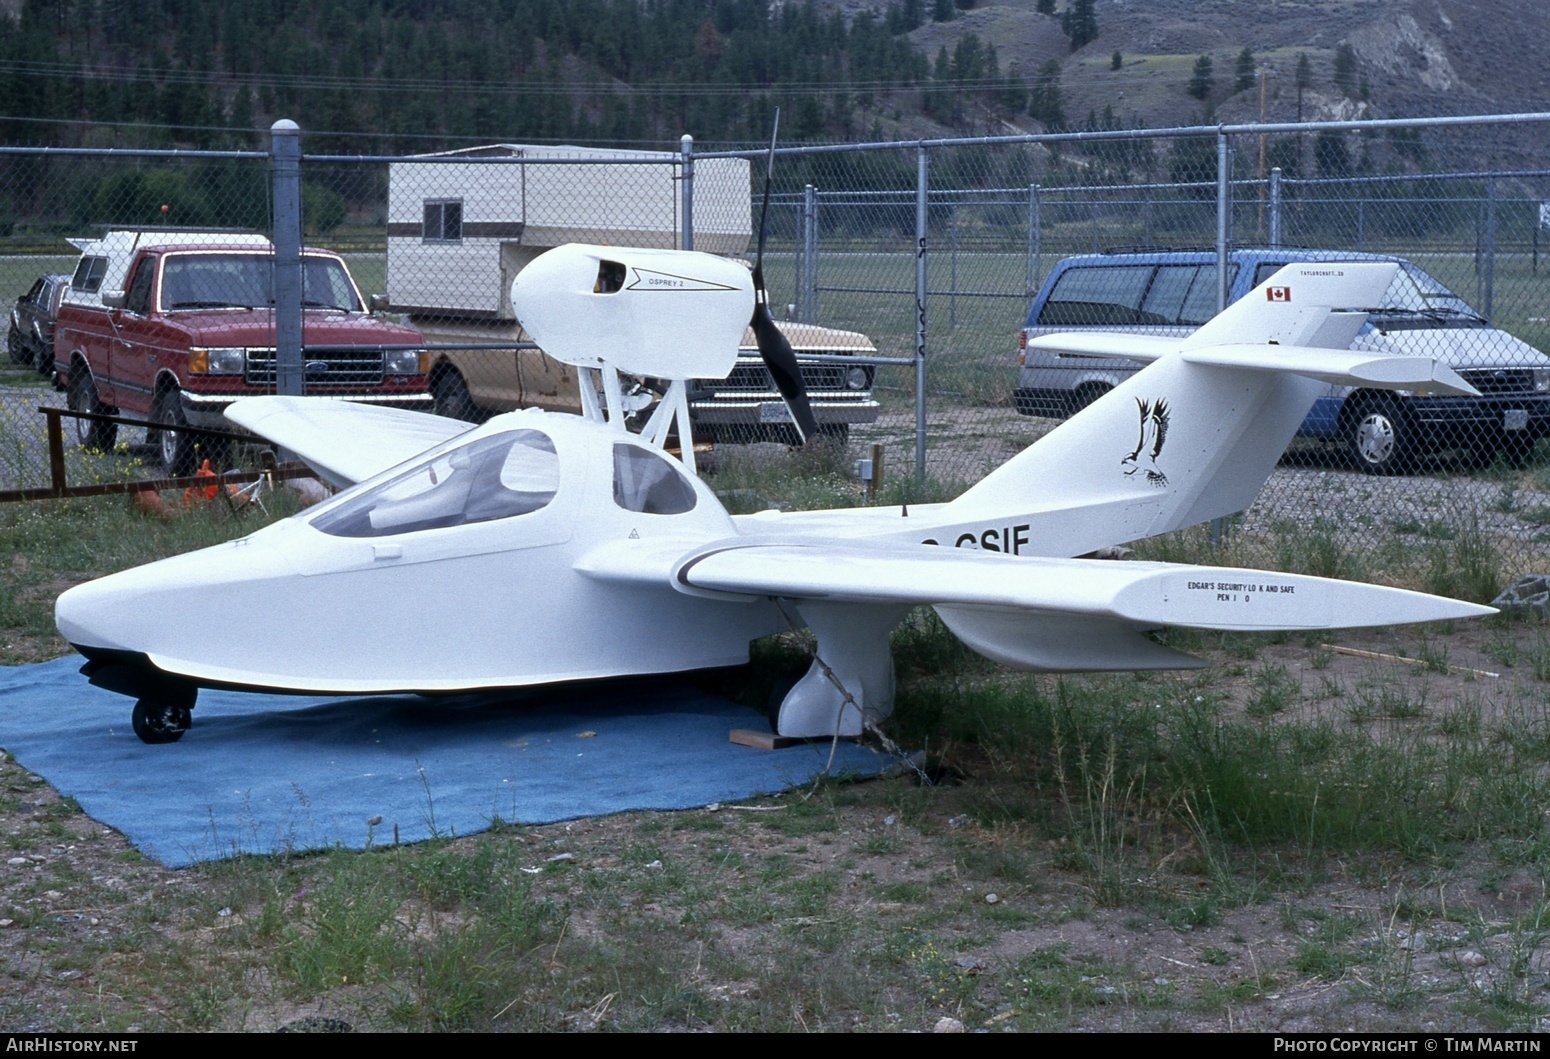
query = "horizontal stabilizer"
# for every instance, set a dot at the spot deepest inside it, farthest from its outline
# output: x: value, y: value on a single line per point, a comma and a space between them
x: 344, y: 442
x: 1340, y: 367
x: 1141, y: 595
x: 1141, y: 348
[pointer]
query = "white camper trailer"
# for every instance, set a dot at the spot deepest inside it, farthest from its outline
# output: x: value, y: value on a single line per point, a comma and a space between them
x: 460, y: 228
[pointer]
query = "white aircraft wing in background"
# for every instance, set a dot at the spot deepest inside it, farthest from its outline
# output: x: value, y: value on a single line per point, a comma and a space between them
x: 344, y: 442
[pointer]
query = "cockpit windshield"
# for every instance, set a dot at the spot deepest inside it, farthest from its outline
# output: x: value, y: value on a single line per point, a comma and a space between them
x: 499, y: 476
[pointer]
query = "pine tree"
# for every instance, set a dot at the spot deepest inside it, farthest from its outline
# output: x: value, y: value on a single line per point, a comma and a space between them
x: 1046, y: 102
x: 1243, y: 71
x: 1116, y: 61
x: 1304, y: 71
x: 1080, y: 23
x: 1045, y: 7
x: 1201, y: 82
x: 942, y: 10
x: 1331, y: 156
x: 1345, y: 69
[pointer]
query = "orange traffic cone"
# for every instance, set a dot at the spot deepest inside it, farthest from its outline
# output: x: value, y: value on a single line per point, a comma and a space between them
x: 149, y: 502
x: 198, y: 494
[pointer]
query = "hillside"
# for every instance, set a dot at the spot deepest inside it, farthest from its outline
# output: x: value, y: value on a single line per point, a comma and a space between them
x: 415, y: 75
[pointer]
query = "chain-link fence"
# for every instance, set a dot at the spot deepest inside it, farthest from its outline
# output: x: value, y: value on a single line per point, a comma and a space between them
x: 904, y: 274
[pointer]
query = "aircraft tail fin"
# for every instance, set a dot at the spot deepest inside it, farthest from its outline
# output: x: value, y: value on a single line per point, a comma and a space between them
x: 1194, y: 435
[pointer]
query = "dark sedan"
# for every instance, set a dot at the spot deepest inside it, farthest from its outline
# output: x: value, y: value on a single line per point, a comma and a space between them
x: 31, y: 338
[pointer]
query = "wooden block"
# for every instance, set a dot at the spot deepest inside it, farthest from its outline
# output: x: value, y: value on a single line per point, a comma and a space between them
x: 762, y: 740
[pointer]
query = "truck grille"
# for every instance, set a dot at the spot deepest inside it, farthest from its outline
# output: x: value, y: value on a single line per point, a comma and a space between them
x: 755, y: 378
x: 1500, y: 380
x: 321, y: 367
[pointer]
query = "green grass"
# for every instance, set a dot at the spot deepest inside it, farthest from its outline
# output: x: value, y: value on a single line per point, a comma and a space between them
x: 53, y: 544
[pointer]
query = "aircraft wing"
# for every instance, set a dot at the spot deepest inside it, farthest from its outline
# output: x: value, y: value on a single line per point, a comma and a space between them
x: 345, y: 442
x: 1039, y: 613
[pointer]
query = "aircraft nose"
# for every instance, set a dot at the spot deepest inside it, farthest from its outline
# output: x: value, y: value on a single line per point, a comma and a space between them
x: 90, y: 615
x: 167, y: 604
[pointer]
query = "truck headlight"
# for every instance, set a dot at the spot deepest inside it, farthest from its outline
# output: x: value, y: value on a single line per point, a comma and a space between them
x: 1541, y: 380
x: 856, y: 378
x: 404, y: 362
x: 217, y: 360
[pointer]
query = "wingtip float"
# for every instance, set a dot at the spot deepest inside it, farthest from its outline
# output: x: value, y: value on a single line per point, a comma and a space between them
x: 540, y: 548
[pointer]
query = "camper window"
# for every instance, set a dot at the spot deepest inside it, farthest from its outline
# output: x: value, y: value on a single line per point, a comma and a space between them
x: 89, y: 273
x: 443, y: 221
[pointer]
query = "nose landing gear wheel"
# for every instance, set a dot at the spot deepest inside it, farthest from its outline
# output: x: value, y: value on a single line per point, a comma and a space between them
x: 159, y: 722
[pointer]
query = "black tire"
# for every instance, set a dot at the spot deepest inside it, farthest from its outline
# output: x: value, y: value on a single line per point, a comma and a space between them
x: 16, y: 346
x: 157, y: 722
x: 91, y: 434
x: 1379, y: 438
x: 1085, y: 395
x: 838, y: 433
x: 174, y: 444
x: 1517, y: 448
x: 452, y: 398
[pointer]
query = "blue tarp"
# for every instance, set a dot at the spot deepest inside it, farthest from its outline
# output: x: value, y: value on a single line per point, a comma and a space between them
x: 270, y: 773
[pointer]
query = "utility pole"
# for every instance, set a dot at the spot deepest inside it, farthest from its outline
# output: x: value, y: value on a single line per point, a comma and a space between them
x: 1266, y: 72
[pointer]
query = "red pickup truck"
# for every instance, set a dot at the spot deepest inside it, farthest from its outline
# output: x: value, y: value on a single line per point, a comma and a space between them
x: 192, y: 330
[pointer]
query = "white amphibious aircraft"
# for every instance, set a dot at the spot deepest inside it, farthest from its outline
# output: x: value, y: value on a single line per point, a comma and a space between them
x: 544, y: 547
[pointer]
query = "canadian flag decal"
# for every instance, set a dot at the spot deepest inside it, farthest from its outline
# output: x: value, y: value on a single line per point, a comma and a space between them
x: 1278, y: 294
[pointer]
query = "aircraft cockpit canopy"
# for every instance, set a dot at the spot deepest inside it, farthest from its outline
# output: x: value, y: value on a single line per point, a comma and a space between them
x: 648, y: 482
x: 498, y: 476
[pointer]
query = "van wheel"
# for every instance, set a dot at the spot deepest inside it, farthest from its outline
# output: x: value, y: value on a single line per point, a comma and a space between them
x: 1378, y: 437
x: 452, y: 399
x: 1086, y: 395
x: 174, y: 443
x: 93, y: 435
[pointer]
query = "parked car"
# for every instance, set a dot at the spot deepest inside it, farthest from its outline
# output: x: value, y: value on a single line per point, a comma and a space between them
x: 30, y: 340
x: 1171, y: 292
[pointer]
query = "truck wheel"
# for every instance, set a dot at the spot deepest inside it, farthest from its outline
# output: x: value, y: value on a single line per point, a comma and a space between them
x: 93, y: 435
x: 16, y: 346
x: 1517, y: 448
x: 838, y: 432
x: 1378, y: 437
x: 173, y: 441
x: 1086, y: 395
x: 452, y: 398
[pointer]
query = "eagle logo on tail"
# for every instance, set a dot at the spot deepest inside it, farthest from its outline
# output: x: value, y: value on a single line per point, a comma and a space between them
x: 1154, y: 431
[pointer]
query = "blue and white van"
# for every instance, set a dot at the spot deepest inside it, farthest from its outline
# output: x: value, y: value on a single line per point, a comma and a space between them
x: 1171, y: 292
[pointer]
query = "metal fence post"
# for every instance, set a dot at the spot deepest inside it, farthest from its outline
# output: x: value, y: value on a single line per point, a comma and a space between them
x: 1488, y: 276
x: 285, y: 152
x: 1275, y: 206
x: 809, y: 310
x: 1223, y: 222
x: 1038, y: 234
x: 1223, y: 215
x: 1146, y: 215
x: 920, y: 312
x: 952, y: 289
x: 686, y: 162
x: 1033, y: 214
